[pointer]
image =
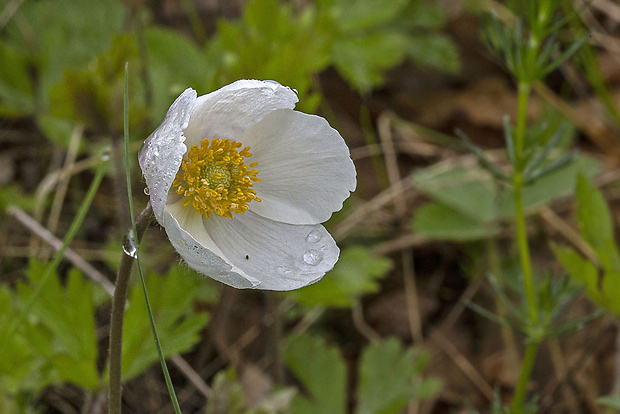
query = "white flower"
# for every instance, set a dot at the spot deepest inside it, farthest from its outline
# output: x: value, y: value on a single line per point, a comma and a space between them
x: 241, y: 181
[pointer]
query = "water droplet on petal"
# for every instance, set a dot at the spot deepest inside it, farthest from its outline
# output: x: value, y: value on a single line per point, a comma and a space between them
x: 313, y: 257
x: 129, y: 245
x: 314, y: 236
x: 284, y: 271
x: 146, y: 190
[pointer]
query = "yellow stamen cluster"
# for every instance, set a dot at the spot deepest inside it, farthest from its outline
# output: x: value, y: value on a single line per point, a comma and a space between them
x: 214, y: 178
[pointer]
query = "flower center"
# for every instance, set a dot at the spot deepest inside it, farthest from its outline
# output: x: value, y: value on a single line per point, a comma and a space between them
x: 214, y: 178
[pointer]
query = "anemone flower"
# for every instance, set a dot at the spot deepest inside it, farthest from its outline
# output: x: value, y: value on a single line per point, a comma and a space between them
x: 241, y: 182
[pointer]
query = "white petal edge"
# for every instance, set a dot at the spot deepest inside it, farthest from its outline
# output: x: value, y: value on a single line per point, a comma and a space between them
x: 162, y: 152
x: 280, y: 256
x: 199, y: 257
x: 304, y: 165
x: 229, y: 111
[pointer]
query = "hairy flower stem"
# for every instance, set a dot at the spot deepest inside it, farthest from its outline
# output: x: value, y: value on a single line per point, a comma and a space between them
x: 118, y: 313
x: 524, y: 251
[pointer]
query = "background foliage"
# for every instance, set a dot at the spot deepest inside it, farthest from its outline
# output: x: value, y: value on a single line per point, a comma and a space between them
x: 381, y: 333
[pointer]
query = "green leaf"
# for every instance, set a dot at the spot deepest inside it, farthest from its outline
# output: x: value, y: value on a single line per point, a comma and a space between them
x: 86, y: 25
x: 440, y: 222
x: 422, y: 14
x: 595, y: 224
x: 390, y: 377
x: 354, y: 15
x: 16, y: 94
x: 273, y: 42
x: 386, y: 373
x: 557, y: 184
x: 227, y: 396
x: 172, y: 299
x: 363, y: 59
x: 602, y: 282
x: 610, y: 401
x: 94, y: 94
x: 472, y: 191
x: 24, y: 370
x: 72, y: 326
x: 468, y: 190
x: 322, y: 372
x: 356, y: 273
x: 601, y: 287
x: 434, y: 50
x: 175, y: 63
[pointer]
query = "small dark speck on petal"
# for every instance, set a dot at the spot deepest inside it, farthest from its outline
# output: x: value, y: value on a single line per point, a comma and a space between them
x: 247, y: 257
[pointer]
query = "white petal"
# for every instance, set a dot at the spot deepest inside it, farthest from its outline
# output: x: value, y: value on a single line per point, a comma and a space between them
x: 193, y: 245
x: 229, y: 111
x: 161, y: 155
x: 304, y: 165
x: 280, y: 256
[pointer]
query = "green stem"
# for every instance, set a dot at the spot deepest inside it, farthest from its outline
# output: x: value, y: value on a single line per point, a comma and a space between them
x: 527, y: 365
x: 524, y: 250
x: 118, y: 313
x: 520, y: 132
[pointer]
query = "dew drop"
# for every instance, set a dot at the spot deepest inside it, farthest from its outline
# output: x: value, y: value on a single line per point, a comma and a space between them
x: 105, y: 154
x: 146, y: 191
x: 129, y: 245
x: 313, y: 257
x: 284, y: 271
x: 314, y: 236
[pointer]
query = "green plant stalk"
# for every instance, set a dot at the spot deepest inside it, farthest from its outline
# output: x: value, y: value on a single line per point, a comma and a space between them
x: 527, y: 365
x: 122, y: 283
x: 523, y: 246
x: 75, y: 226
x: 118, y: 312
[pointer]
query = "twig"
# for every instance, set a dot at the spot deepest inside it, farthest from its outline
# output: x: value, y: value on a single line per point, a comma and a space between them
x: 63, y: 184
x: 361, y: 325
x: 411, y: 291
x: 45, y: 235
x: 468, y: 369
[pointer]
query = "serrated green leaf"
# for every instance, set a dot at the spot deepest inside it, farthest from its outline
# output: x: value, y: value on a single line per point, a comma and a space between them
x: 322, y: 372
x: 356, y: 273
x: 272, y: 41
x: 19, y: 372
x: 422, y: 14
x: 387, y: 374
x: 363, y: 59
x: 92, y: 22
x: 434, y: 50
x: 440, y: 222
x: 227, y: 396
x: 172, y: 298
x: 595, y: 224
x: 94, y: 95
x: 355, y: 15
x: 73, y: 354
